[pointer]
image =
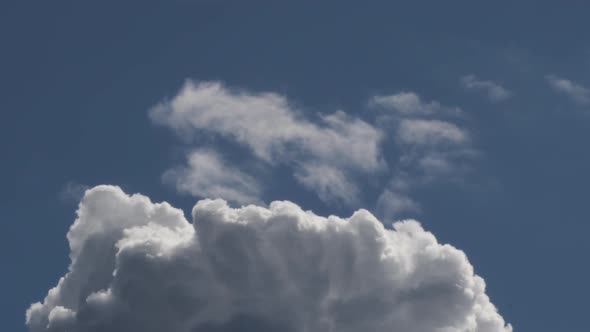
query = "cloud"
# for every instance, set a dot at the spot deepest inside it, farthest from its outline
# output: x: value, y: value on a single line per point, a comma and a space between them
x: 206, y: 175
x: 431, y: 145
x: 576, y: 92
x: 392, y: 203
x: 140, y: 266
x: 72, y: 192
x: 275, y: 131
x: 494, y: 91
x: 410, y: 104
x: 430, y: 132
x: 328, y: 182
x: 336, y: 156
x: 267, y: 124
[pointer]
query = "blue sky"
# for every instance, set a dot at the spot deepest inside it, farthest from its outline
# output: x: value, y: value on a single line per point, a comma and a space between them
x: 79, y: 80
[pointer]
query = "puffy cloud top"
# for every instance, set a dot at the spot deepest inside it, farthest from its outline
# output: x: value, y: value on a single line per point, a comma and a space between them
x: 141, y: 266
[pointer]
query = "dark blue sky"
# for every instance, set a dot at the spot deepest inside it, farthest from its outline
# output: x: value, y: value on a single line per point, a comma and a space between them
x: 78, y: 78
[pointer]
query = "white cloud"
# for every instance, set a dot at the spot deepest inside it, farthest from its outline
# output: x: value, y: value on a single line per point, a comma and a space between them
x: 72, y: 192
x: 391, y: 204
x: 494, y: 91
x: 206, y: 175
x: 436, y: 163
x: 577, y: 92
x: 328, y: 182
x: 410, y: 104
x: 274, y: 130
x: 431, y: 145
x: 336, y: 155
x: 430, y: 132
x: 140, y: 266
x: 271, y: 127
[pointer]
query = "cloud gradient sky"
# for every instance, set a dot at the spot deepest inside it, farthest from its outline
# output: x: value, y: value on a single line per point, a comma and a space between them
x: 470, y: 118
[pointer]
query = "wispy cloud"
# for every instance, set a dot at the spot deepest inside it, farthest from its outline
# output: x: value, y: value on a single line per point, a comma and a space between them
x: 430, y: 132
x: 207, y: 175
x: 410, y: 104
x: 278, y: 133
x: 575, y: 91
x: 328, y: 182
x: 494, y: 91
x: 334, y: 155
x: 72, y: 192
x: 431, y: 143
x: 392, y: 204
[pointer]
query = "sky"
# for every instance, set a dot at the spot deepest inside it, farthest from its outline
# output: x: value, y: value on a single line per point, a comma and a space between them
x: 470, y: 118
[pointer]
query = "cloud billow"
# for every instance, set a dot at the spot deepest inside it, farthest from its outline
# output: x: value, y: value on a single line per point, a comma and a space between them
x: 141, y: 266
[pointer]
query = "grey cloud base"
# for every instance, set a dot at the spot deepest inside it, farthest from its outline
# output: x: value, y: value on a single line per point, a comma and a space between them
x: 141, y: 266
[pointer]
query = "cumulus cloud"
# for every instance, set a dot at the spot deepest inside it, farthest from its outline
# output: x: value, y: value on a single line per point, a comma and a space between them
x: 276, y: 131
x: 206, y: 175
x: 494, y: 91
x: 576, y: 92
x: 140, y: 266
